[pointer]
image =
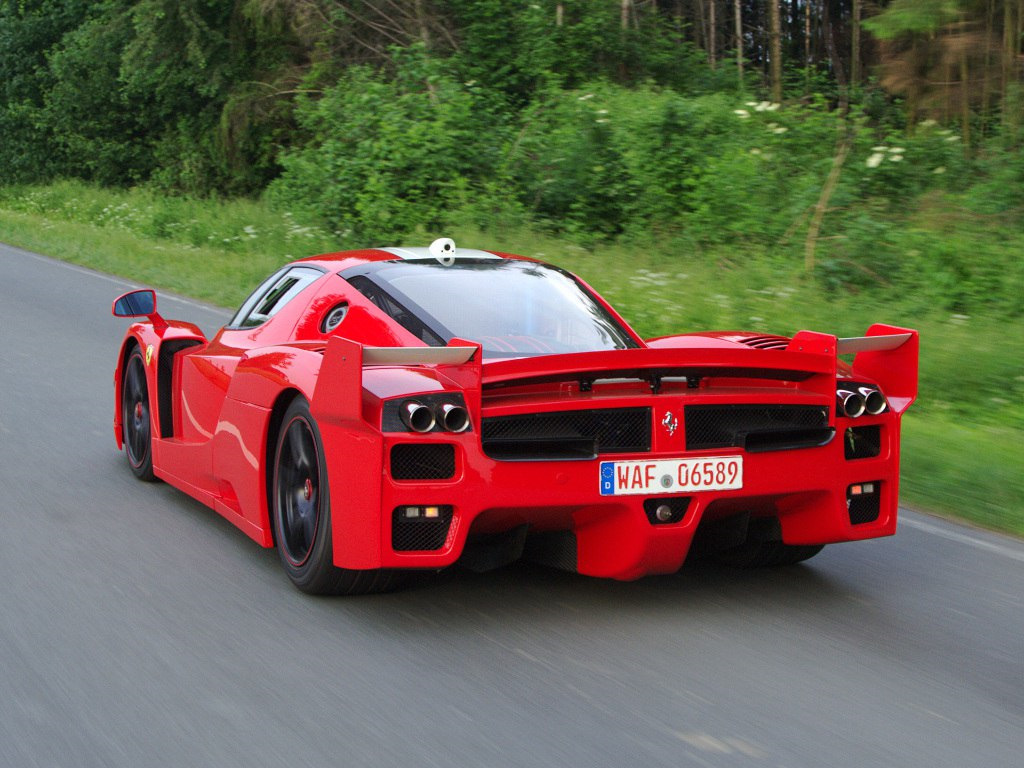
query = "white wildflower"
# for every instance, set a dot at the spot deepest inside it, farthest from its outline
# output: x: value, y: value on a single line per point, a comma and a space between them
x: 586, y: 96
x: 601, y: 112
x: 875, y: 160
x: 896, y: 150
x: 751, y: 103
x: 953, y: 138
x: 779, y: 129
x: 880, y: 149
x: 755, y: 151
x: 742, y: 113
x: 940, y: 169
x: 895, y: 158
x: 763, y: 106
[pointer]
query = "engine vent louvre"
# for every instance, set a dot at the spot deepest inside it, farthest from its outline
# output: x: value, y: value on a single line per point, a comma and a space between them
x: 768, y: 341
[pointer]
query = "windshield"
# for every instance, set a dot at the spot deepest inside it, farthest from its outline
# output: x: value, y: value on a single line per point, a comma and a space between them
x: 513, y: 308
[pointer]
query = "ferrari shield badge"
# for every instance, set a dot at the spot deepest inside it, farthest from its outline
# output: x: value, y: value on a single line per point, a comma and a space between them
x: 149, y: 353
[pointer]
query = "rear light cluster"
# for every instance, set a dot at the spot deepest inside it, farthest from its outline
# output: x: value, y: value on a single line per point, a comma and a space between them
x: 426, y: 413
x: 853, y: 400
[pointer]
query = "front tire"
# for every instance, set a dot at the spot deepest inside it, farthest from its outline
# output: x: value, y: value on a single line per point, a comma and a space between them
x: 136, y: 422
x: 301, y: 512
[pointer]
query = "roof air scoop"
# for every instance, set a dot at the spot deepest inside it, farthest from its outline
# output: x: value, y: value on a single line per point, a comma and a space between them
x: 443, y: 249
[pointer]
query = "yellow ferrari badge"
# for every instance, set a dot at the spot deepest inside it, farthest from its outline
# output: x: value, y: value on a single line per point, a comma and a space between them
x: 149, y: 353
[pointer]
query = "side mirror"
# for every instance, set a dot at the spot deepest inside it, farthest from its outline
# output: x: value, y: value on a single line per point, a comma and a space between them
x: 135, y: 304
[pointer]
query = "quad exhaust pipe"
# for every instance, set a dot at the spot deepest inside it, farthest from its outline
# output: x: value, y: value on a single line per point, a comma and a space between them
x: 874, y: 400
x: 454, y: 418
x: 416, y: 416
x: 867, y: 400
x: 851, y: 404
x: 419, y: 417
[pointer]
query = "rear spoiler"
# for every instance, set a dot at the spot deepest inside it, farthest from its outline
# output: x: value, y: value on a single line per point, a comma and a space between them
x: 455, y: 355
x: 887, y: 355
x: 872, y: 343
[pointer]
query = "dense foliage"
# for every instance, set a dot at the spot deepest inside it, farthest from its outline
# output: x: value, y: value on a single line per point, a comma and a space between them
x: 596, y: 119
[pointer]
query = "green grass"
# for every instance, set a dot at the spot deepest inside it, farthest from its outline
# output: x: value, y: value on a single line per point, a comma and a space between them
x: 962, y: 441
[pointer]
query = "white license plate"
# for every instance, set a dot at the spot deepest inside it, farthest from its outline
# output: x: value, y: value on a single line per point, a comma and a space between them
x: 710, y: 473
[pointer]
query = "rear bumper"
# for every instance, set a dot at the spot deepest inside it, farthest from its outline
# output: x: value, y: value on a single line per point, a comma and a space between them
x: 806, y: 489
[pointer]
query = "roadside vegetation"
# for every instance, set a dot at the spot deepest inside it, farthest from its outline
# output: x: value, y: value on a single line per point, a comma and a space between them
x: 809, y: 172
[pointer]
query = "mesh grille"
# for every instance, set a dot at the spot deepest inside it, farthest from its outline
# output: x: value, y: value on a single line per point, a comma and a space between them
x: 864, y: 509
x: 863, y: 442
x: 419, y: 461
x: 419, y: 534
x: 727, y: 426
x: 567, y: 434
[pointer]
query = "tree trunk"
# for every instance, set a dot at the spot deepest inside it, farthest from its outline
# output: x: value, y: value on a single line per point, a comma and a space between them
x: 739, y: 42
x: 807, y: 45
x: 855, y: 45
x: 712, y: 36
x: 775, y: 45
x: 624, y: 14
x: 559, y: 13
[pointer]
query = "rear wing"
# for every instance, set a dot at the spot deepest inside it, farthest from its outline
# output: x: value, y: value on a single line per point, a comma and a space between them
x: 888, y: 355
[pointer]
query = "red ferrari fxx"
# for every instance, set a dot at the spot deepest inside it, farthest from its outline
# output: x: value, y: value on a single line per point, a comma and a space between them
x: 378, y: 411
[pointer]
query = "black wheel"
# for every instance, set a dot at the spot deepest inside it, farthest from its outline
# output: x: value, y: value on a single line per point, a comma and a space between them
x: 301, y: 513
x: 763, y: 548
x: 136, y: 425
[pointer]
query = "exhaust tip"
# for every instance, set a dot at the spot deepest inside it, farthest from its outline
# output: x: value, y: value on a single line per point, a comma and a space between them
x: 454, y: 418
x: 874, y: 400
x: 851, y: 403
x: 417, y: 416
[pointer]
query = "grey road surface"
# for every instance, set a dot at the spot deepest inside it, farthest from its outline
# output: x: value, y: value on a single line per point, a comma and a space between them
x: 138, y: 628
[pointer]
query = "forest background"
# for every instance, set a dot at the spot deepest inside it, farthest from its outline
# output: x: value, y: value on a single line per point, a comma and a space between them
x: 759, y: 164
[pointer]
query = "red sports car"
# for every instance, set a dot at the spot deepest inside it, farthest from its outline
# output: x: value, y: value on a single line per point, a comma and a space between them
x: 379, y: 411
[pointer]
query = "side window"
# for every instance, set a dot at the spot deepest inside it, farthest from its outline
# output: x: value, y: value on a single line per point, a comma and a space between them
x: 272, y: 295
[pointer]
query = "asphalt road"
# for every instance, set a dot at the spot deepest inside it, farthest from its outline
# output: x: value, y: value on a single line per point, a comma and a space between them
x: 138, y: 628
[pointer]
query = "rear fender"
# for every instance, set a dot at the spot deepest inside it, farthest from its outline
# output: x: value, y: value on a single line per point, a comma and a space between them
x: 242, y: 444
x: 354, y: 446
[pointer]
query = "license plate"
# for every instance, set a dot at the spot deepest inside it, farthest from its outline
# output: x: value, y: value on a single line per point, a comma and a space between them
x: 710, y: 473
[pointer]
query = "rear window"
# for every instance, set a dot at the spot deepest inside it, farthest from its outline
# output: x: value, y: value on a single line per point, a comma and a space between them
x: 513, y: 308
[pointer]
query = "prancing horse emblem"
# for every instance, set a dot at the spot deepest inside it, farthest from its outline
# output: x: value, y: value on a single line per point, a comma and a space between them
x: 670, y: 423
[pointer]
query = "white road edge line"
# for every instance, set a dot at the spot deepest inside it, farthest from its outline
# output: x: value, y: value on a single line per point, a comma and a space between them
x: 962, y: 538
x: 111, y: 279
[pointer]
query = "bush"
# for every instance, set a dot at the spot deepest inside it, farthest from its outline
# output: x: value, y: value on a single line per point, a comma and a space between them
x: 384, y: 157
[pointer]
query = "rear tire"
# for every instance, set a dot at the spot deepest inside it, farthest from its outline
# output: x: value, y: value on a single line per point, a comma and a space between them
x: 136, y: 421
x: 300, y: 511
